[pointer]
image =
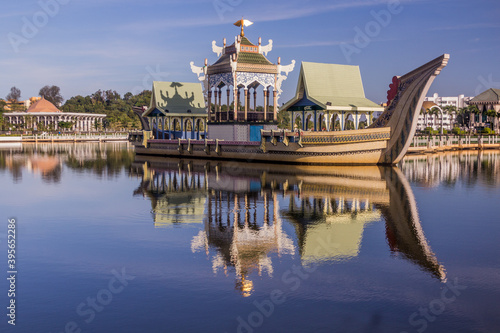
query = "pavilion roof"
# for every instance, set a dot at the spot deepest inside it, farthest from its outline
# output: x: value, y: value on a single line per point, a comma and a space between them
x: 489, y: 96
x: 176, y: 99
x: 247, y: 60
x: 331, y: 87
x: 44, y: 106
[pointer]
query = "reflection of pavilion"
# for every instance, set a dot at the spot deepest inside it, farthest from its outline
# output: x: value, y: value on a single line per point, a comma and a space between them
x: 329, y: 207
x: 242, y: 238
x: 176, y: 197
x: 330, y: 213
x: 330, y: 228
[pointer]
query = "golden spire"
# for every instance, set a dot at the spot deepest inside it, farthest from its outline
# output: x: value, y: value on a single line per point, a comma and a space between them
x: 243, y: 23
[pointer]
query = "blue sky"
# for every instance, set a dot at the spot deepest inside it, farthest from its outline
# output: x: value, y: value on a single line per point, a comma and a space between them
x: 83, y: 46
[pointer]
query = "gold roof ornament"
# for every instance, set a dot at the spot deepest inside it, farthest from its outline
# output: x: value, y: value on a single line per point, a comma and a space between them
x: 243, y: 23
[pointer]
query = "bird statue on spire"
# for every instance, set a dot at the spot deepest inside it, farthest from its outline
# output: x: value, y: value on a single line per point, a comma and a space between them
x: 243, y: 23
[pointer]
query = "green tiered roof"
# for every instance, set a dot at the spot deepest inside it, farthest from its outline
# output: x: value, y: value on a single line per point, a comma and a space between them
x: 248, y: 61
x: 332, y: 87
x: 489, y: 96
x: 176, y: 99
x: 253, y: 58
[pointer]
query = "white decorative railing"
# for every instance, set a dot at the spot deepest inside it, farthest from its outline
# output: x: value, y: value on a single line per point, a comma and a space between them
x: 436, y: 141
x: 76, y: 137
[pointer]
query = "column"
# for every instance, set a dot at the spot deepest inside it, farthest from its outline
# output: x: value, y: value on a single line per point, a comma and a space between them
x: 157, y: 128
x: 220, y: 104
x: 275, y: 105
x: 163, y: 127
x: 169, y: 128
x: 356, y: 120
x: 228, y: 93
x: 210, y: 104
x: 237, y: 102
x: 315, y: 121
x: 303, y: 120
x: 266, y: 99
x: 246, y: 103
x: 216, y: 107
x: 192, y: 128
x: 255, y: 99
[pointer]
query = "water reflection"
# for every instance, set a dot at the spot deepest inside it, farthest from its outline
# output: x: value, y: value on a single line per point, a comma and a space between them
x: 252, y: 213
x: 451, y: 168
x: 47, y: 159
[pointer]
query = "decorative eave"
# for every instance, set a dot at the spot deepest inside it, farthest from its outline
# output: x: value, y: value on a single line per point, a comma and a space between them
x: 254, y: 68
x: 483, y: 102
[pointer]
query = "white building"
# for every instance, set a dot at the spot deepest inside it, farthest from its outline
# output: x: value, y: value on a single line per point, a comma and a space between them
x: 43, y: 112
x: 434, y: 120
x: 459, y: 101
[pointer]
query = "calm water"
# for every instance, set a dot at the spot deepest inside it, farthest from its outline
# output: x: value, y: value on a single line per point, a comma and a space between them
x: 110, y: 242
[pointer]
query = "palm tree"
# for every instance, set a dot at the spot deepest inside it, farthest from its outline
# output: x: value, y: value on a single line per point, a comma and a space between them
x: 435, y: 112
x: 492, y: 116
x: 451, y: 110
x: 472, y: 110
x: 425, y: 112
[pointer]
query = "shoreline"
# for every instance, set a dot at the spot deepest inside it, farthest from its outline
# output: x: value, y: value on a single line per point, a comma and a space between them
x: 422, y: 145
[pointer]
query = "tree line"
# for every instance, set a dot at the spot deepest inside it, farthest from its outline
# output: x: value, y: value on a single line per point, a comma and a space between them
x: 118, y: 109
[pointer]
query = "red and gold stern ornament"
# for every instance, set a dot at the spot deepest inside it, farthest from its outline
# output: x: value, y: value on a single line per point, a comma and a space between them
x: 393, y: 91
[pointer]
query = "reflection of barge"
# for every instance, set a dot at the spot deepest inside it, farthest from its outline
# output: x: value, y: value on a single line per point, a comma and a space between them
x: 326, y: 203
x: 181, y: 125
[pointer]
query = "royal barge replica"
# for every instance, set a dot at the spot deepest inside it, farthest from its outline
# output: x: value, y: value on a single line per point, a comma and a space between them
x: 190, y: 120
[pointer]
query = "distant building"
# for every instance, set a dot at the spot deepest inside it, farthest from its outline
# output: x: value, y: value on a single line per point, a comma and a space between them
x: 485, y: 101
x: 459, y: 101
x: 44, y: 112
x: 21, y: 105
x: 434, y: 120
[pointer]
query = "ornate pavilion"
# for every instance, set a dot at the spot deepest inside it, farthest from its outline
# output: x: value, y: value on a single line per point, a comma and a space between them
x: 177, y: 110
x: 46, y: 113
x: 242, y: 68
x: 327, y: 93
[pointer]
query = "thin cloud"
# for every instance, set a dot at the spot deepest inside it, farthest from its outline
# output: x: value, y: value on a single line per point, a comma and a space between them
x: 467, y: 26
x: 331, y: 43
x: 276, y: 13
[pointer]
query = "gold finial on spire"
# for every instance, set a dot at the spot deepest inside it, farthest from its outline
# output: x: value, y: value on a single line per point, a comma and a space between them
x: 243, y: 23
